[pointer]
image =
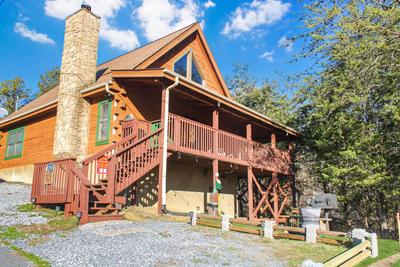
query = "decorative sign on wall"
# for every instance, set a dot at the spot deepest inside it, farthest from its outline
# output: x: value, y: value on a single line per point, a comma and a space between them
x: 49, y: 173
x: 102, y: 164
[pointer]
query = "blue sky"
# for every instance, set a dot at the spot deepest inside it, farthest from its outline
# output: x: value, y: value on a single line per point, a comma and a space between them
x: 252, y: 32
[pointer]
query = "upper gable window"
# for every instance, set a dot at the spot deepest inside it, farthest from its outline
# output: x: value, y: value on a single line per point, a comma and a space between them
x: 188, y: 67
x: 180, y: 66
x: 196, y: 76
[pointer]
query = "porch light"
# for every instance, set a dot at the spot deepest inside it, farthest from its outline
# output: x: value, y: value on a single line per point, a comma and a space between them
x: 179, y: 155
x: 197, y: 160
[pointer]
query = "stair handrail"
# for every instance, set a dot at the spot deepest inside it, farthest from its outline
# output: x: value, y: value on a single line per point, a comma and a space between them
x: 109, y: 148
x: 141, y: 140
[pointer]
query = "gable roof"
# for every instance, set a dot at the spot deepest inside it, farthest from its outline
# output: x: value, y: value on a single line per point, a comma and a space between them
x: 129, y: 60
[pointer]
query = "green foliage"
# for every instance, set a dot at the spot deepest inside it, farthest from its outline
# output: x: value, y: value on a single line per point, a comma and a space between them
x: 49, y: 80
x: 265, y: 99
x: 28, y: 207
x: 14, y: 94
x: 11, y: 233
x: 36, y: 260
x: 386, y: 248
x: 349, y: 110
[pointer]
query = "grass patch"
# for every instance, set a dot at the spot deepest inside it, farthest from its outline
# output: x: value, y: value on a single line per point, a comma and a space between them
x: 36, y: 260
x: 295, y: 252
x: 11, y: 233
x: 28, y: 207
x: 54, y: 225
x: 386, y: 248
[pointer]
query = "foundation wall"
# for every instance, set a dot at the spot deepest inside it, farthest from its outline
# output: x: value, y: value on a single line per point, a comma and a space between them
x: 188, y: 189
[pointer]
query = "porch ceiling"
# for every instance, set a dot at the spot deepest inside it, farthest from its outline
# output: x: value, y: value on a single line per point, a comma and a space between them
x: 233, y: 117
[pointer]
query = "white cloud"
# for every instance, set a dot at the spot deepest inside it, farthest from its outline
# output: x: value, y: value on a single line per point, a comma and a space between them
x: 161, y: 17
x: 268, y: 55
x: 209, y: 4
x: 251, y: 15
x: 107, y: 10
x: 286, y: 43
x: 24, y: 31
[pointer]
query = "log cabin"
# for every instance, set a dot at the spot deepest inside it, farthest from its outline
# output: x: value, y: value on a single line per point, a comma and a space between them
x: 155, y: 127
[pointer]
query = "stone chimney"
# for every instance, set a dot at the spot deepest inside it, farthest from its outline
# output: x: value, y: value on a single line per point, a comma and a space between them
x: 78, y: 71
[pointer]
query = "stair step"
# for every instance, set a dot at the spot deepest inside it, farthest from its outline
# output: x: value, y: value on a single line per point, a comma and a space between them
x: 103, y: 208
x: 108, y: 217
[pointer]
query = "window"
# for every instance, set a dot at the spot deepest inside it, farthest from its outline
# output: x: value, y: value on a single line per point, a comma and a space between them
x: 187, y: 66
x: 103, y: 123
x: 180, y: 66
x: 196, y: 76
x: 15, y: 143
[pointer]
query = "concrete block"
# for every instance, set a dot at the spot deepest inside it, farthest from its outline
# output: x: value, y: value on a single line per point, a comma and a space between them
x: 268, y: 229
x: 374, y: 245
x: 358, y: 236
x: 225, y: 222
x: 310, y: 263
x: 311, y: 234
x: 193, y: 218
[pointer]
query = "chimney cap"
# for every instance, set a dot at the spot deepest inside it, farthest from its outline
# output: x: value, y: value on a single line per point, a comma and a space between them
x: 86, y: 6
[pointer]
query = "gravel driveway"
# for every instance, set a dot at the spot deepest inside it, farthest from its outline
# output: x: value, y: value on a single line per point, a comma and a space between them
x: 149, y: 243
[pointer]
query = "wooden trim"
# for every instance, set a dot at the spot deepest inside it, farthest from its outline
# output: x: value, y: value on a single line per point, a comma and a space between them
x: 8, y: 139
x: 198, y: 89
x: 28, y: 116
x: 107, y: 140
x: 195, y: 28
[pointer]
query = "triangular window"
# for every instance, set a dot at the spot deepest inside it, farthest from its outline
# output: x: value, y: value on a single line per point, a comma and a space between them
x: 188, y: 67
x: 181, y: 65
x: 196, y: 75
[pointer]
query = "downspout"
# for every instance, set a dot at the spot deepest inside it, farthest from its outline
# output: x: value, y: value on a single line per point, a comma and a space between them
x: 165, y: 144
x: 108, y: 89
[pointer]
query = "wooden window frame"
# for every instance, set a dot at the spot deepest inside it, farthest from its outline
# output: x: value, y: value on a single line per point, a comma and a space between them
x: 107, y: 140
x: 190, y: 59
x: 19, y: 155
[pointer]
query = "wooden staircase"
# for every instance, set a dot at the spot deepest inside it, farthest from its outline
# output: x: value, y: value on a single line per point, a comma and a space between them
x: 94, y: 190
x: 128, y: 160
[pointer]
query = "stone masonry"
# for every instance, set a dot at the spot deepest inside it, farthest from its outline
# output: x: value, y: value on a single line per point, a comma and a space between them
x: 78, y: 71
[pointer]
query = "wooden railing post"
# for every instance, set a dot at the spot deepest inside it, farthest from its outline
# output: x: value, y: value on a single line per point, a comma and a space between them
x: 84, y: 203
x: 35, y: 182
x: 177, y: 132
x: 111, y: 178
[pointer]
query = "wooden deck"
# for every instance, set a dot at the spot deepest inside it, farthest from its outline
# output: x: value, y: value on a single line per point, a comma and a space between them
x: 196, y: 139
x: 95, y: 192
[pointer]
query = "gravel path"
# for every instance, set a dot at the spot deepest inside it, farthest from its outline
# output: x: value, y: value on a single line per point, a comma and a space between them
x: 11, y: 258
x: 11, y: 196
x: 153, y: 243
x: 126, y: 243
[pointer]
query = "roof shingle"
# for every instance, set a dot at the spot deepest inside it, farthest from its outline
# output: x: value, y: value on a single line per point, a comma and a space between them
x: 129, y: 60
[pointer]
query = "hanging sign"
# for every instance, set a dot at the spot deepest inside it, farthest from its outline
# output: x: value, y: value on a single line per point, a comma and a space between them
x: 102, y: 164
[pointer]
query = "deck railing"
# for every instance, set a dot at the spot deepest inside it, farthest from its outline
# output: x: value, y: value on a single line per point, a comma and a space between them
x: 60, y: 182
x: 194, y: 138
x: 50, y: 181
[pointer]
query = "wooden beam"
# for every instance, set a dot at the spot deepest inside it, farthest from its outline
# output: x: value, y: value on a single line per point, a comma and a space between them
x: 273, y: 140
x: 215, y: 122
x: 250, y: 176
x: 160, y: 141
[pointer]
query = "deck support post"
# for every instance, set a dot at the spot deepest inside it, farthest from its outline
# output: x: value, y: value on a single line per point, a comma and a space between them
x: 273, y: 140
x: 163, y: 164
x: 215, y: 122
x: 275, y: 195
x: 162, y: 173
x: 250, y: 174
